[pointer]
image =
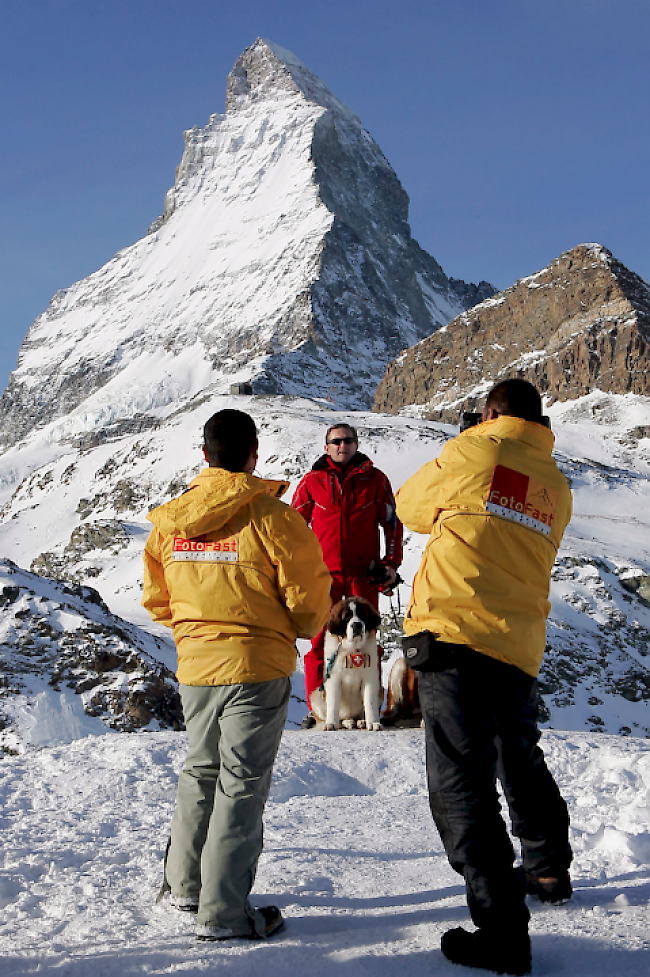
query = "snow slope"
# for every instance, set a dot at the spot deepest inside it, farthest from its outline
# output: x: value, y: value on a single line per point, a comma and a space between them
x: 351, y: 858
x: 69, y: 668
x: 78, y: 512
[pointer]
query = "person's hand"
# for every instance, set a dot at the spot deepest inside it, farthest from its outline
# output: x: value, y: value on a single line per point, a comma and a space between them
x: 389, y: 582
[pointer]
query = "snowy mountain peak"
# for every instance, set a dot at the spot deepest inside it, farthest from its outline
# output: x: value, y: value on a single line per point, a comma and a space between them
x: 266, y: 70
x: 283, y: 258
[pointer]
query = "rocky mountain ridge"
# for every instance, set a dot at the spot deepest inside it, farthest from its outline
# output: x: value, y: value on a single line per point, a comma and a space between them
x: 579, y: 325
x: 283, y: 258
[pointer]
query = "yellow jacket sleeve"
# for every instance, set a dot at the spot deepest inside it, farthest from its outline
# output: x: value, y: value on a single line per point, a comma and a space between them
x: 416, y: 500
x: 155, y: 595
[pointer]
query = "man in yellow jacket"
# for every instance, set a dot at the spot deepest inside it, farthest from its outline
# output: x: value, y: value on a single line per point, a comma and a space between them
x: 495, y: 506
x: 238, y: 576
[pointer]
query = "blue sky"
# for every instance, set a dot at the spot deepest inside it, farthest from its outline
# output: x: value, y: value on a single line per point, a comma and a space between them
x: 518, y: 128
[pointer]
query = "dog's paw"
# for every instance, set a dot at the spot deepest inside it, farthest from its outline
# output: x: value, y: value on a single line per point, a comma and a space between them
x: 361, y: 724
x: 348, y: 723
x: 375, y: 727
x: 331, y: 726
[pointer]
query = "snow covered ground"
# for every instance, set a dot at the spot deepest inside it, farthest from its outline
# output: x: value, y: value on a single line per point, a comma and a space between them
x: 351, y: 858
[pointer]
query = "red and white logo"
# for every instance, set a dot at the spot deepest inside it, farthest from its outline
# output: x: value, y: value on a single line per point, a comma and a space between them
x: 198, y: 551
x: 521, y: 499
x: 357, y: 659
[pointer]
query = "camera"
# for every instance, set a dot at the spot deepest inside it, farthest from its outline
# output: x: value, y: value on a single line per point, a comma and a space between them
x: 470, y: 418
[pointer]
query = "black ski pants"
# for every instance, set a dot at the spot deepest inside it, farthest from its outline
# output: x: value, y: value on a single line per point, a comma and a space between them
x: 481, y: 724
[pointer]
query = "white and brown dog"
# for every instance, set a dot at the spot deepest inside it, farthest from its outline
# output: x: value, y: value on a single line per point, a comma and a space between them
x: 402, y: 699
x: 351, y: 695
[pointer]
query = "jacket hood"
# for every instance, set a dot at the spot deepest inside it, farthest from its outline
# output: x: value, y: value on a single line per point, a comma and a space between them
x: 212, y: 499
x: 515, y: 429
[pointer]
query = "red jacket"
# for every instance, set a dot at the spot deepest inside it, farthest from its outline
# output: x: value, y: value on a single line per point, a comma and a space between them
x: 345, y: 509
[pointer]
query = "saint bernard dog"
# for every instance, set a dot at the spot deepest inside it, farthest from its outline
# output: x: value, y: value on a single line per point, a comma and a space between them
x: 351, y: 694
x: 402, y: 699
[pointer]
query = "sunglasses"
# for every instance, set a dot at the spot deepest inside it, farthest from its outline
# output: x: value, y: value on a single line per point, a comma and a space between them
x: 338, y: 441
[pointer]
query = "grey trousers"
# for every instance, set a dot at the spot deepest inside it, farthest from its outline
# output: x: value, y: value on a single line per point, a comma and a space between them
x: 216, y: 840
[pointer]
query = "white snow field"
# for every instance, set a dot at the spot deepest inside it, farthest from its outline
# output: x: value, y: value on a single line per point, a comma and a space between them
x: 351, y: 857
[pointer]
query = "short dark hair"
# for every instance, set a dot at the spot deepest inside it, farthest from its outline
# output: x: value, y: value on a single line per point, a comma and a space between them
x: 229, y: 437
x: 516, y: 397
x: 335, y: 427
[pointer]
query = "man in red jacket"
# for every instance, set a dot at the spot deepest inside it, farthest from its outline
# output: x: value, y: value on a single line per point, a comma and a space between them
x: 345, y: 500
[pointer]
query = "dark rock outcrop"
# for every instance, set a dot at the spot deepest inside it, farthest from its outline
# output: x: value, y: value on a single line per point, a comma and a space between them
x: 55, y: 636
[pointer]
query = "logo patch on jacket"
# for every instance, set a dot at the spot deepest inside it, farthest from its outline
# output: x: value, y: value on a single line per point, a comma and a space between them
x: 521, y: 499
x: 196, y: 550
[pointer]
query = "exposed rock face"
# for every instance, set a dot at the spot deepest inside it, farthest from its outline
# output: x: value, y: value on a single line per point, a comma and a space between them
x: 54, y: 637
x: 283, y: 257
x: 615, y: 660
x: 75, y: 562
x: 581, y: 324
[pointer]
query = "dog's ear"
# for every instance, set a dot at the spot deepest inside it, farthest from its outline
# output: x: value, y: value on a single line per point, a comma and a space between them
x: 336, y: 623
x: 368, y: 614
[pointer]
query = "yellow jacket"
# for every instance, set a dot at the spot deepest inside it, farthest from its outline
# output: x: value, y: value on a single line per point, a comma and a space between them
x: 238, y: 576
x: 496, y: 506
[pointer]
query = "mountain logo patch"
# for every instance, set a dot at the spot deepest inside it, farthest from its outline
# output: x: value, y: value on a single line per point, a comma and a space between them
x: 198, y: 551
x: 521, y: 499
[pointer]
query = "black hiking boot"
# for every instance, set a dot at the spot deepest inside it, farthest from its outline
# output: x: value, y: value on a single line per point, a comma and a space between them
x: 502, y: 952
x: 554, y: 889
